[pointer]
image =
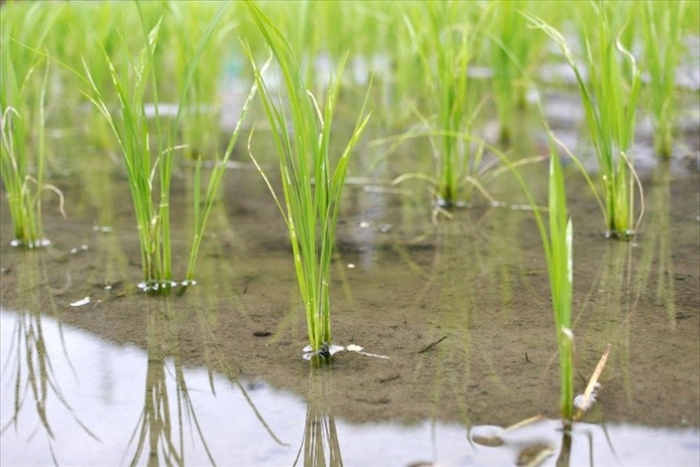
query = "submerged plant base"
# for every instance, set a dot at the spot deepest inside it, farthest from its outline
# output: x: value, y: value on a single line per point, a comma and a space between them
x: 39, y: 243
x: 324, y: 354
x: 164, y: 287
x: 620, y: 234
x: 447, y: 203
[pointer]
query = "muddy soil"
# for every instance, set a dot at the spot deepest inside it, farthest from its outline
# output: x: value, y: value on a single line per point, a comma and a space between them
x: 474, y: 286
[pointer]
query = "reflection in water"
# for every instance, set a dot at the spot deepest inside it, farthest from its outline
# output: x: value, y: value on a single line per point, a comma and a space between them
x: 30, y: 354
x: 564, y: 459
x: 614, y: 301
x: 234, y: 433
x: 535, y: 441
x: 320, y: 433
x: 154, y: 432
x: 656, y: 244
x: 475, y: 272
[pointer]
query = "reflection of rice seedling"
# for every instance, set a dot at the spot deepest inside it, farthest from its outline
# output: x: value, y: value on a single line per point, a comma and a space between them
x: 156, y: 425
x: 662, y: 33
x: 609, y: 101
x: 320, y: 433
x: 145, y: 173
x: 32, y: 358
x: 312, y: 188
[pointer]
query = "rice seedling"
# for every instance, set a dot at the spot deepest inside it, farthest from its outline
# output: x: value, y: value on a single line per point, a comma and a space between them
x: 203, y: 206
x: 512, y: 54
x: 662, y: 53
x: 199, y: 122
x: 312, y: 186
x: 445, y: 49
x: 23, y: 102
x: 558, y: 248
x: 609, y: 97
x: 557, y: 242
x: 144, y: 172
x: 23, y: 188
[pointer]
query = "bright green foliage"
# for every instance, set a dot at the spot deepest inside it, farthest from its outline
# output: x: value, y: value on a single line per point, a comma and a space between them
x: 202, y: 207
x: 609, y: 97
x: 147, y: 171
x: 445, y: 46
x: 663, y: 47
x: 203, y: 110
x: 560, y: 267
x: 23, y: 102
x: 557, y: 242
x: 312, y: 187
x: 513, y: 52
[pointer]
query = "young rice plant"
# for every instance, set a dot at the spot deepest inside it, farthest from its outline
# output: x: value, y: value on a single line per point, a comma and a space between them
x: 610, y: 102
x: 312, y: 187
x: 146, y: 172
x: 662, y: 52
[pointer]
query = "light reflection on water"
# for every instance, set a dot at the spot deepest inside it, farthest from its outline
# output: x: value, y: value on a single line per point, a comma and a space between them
x: 102, y: 386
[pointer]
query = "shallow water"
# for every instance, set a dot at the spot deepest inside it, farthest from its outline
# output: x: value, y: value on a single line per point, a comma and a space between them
x: 104, y: 385
x: 216, y: 375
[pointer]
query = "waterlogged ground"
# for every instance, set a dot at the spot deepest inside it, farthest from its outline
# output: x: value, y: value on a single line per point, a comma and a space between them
x: 94, y: 372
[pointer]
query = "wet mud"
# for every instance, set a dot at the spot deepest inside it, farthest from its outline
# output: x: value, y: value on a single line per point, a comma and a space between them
x: 460, y: 306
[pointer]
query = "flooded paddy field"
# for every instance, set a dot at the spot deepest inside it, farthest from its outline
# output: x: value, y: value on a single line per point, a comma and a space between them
x: 463, y: 303
x: 95, y: 370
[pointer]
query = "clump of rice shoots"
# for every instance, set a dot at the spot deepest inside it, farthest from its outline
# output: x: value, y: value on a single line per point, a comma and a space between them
x: 446, y: 48
x: 662, y: 52
x: 609, y: 95
x: 23, y: 188
x: 512, y: 53
x: 312, y: 181
x: 23, y: 102
x: 199, y: 124
x: 149, y: 174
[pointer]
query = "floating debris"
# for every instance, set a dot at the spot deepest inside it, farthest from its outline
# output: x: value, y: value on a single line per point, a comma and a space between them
x: 154, y: 286
x: 102, y: 229
x: 491, y: 436
x: 82, y: 302
x: 432, y: 344
x: 326, y: 351
x: 40, y: 243
x: 585, y: 401
x: 79, y: 249
x: 351, y: 266
x: 534, y: 455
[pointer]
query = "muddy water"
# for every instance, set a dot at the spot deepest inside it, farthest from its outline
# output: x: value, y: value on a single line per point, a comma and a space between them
x: 96, y: 372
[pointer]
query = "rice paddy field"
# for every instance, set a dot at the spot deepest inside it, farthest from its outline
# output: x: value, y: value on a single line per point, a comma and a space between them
x: 350, y: 233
